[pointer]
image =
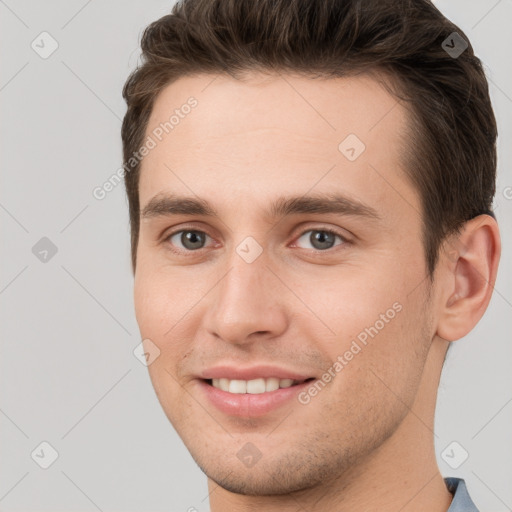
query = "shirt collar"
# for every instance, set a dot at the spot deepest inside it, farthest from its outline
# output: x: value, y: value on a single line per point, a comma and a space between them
x: 461, y: 500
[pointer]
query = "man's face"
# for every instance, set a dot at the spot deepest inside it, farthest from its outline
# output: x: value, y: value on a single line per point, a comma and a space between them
x: 251, y: 293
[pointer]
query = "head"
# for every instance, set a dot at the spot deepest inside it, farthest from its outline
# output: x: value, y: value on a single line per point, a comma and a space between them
x: 343, y: 119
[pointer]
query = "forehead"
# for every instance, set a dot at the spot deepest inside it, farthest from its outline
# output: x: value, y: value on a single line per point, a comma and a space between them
x: 219, y: 138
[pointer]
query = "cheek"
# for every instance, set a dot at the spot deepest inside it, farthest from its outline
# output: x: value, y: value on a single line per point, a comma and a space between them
x: 164, y: 304
x: 377, y: 372
x: 352, y: 301
x: 146, y: 297
x: 157, y: 310
x: 397, y: 343
x: 381, y: 326
x: 160, y: 300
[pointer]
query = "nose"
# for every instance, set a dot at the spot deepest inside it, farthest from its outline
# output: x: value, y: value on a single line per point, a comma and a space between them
x: 247, y: 304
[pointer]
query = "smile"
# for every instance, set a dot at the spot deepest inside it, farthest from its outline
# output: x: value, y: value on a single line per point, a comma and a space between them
x: 254, y: 386
x: 252, y: 398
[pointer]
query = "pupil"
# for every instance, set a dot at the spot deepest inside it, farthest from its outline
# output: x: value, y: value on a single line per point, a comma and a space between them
x: 192, y: 239
x: 322, y: 238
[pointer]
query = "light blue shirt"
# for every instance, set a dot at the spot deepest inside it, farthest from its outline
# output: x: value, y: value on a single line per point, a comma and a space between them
x: 461, y: 501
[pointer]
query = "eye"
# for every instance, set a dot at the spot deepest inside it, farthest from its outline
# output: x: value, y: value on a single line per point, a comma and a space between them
x: 191, y: 239
x: 321, y: 239
x: 188, y: 240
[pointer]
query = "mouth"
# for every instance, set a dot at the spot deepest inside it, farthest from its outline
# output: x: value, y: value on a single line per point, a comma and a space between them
x: 256, y: 386
x: 254, y: 398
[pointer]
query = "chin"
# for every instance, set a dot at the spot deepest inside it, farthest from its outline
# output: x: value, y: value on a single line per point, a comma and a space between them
x: 273, y: 478
x: 261, y: 485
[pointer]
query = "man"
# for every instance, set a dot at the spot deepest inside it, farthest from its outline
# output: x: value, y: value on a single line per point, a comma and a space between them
x: 310, y: 188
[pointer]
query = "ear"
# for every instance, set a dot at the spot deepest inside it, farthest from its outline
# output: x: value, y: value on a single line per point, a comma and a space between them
x: 469, y: 264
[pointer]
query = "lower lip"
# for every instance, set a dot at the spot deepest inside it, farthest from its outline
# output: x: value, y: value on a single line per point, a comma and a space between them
x: 249, y: 405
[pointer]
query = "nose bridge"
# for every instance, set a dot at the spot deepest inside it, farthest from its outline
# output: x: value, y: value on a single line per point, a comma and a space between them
x: 240, y: 287
x: 245, y: 301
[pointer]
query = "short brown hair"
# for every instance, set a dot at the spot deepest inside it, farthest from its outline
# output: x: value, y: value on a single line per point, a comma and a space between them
x: 452, y: 160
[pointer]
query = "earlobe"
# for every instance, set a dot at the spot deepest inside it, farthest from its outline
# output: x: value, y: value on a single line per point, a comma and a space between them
x: 470, y: 265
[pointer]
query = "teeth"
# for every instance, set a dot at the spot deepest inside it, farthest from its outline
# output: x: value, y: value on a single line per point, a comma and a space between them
x: 254, y: 387
x: 285, y: 383
x: 237, y: 386
x: 271, y: 384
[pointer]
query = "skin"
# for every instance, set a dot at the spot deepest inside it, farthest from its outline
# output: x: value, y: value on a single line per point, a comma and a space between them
x: 365, y: 442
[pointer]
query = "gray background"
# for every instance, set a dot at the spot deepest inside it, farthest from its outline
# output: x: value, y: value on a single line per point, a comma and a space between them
x: 68, y: 373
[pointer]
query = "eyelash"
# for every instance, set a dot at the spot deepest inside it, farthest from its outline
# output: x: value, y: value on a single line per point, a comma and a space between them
x: 318, y: 229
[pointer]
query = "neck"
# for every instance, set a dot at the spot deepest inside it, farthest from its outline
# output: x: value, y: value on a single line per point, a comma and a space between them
x: 402, y: 474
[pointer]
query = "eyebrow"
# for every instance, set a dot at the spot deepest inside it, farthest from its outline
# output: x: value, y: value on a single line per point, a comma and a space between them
x: 167, y: 205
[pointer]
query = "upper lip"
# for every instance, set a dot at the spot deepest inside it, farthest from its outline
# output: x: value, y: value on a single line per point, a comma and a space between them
x: 250, y: 373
